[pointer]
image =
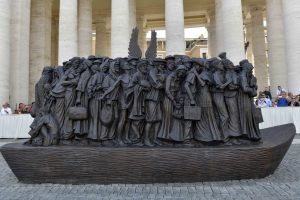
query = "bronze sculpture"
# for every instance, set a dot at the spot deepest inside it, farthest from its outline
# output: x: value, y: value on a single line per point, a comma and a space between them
x: 150, y: 101
x: 167, y: 105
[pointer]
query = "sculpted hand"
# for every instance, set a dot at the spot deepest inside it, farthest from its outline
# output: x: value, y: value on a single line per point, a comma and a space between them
x: 193, y: 103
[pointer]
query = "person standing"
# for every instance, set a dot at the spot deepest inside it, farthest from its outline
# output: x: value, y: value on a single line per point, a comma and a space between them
x: 268, y: 93
x: 6, y: 110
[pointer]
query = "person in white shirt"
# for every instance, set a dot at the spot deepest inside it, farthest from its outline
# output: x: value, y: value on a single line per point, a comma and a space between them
x: 6, y: 110
x: 264, y: 102
x: 280, y: 90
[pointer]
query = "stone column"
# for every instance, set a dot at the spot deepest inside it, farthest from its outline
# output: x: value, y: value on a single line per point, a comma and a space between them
x: 4, y: 49
x: 259, y: 48
x: 84, y: 28
x: 40, y: 41
x: 211, y: 29
x: 108, y: 43
x: 120, y: 28
x: 67, y: 44
x: 249, y: 52
x: 291, y: 15
x: 174, y: 16
x: 132, y: 15
x: 229, y: 29
x: 54, y: 41
x: 276, y: 46
x: 101, y: 40
x: 19, y: 52
x: 142, y: 35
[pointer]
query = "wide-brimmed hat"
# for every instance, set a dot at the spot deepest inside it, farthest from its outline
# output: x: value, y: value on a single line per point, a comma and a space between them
x: 130, y: 58
x: 159, y: 60
x: 88, y: 63
x: 92, y: 57
x: 222, y: 55
x: 170, y: 57
x: 242, y: 62
x: 199, y: 61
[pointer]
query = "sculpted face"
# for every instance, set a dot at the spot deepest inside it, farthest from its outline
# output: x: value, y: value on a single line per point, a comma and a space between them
x: 188, y: 65
x: 133, y: 62
x: 143, y: 68
x: 170, y: 65
x: 117, y: 67
x: 181, y: 73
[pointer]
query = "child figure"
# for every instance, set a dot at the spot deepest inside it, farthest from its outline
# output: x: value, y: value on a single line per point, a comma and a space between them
x: 177, y: 131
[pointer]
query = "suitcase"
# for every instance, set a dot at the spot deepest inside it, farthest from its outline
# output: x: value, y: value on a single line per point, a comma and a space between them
x: 78, y: 113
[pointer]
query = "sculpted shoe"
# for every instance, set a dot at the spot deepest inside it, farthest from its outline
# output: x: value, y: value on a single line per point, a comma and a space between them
x: 121, y: 143
x: 236, y: 141
x: 157, y: 142
x: 139, y: 144
x: 188, y: 143
x: 148, y: 143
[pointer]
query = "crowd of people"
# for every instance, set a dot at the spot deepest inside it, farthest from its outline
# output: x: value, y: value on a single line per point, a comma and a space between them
x: 282, y: 99
x: 21, y: 109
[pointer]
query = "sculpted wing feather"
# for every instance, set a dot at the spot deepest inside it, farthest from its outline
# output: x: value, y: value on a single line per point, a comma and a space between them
x: 151, y: 52
x: 134, y: 49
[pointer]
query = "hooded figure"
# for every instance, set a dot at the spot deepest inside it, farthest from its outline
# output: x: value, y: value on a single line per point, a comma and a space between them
x: 109, y: 113
x: 248, y: 90
x: 137, y: 88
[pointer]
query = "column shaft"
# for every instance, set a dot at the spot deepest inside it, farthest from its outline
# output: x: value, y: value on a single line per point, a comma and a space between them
x: 259, y: 48
x: 211, y: 29
x: 108, y: 43
x: 40, y: 41
x: 19, y: 52
x: 120, y: 28
x: 132, y: 15
x: 85, y: 28
x: 142, y: 35
x: 54, y: 41
x: 249, y: 39
x: 101, y: 40
x: 4, y: 49
x: 229, y: 29
x: 291, y: 14
x: 174, y: 17
x: 67, y: 45
x: 276, y: 46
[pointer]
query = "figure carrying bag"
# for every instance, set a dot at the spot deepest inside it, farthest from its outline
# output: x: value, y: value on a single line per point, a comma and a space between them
x: 258, y: 115
x: 107, y: 114
x: 77, y: 113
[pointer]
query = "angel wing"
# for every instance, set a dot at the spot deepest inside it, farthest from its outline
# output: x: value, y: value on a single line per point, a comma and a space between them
x: 134, y: 49
x: 151, y: 52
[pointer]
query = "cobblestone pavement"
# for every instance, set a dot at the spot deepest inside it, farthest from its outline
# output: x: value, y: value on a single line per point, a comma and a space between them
x: 284, y: 184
